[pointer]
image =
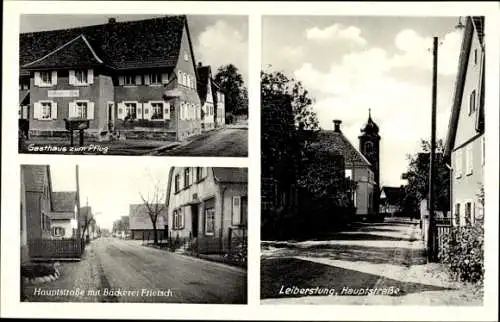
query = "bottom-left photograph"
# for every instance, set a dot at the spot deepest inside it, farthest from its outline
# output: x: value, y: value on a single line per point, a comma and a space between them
x: 122, y: 234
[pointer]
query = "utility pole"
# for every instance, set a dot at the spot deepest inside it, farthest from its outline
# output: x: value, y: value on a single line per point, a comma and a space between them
x: 431, y: 245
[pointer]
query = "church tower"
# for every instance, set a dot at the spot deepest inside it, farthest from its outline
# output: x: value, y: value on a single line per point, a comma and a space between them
x: 369, y: 146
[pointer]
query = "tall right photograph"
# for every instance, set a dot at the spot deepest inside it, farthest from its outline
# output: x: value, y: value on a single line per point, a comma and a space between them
x: 372, y: 160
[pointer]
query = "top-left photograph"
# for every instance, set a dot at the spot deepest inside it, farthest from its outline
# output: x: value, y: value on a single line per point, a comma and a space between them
x: 133, y: 85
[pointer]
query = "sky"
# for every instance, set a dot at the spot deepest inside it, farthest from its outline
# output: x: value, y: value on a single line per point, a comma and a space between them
x: 211, y: 34
x: 351, y: 64
x: 110, y: 189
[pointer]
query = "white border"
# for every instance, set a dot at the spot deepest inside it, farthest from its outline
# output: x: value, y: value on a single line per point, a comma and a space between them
x: 11, y: 160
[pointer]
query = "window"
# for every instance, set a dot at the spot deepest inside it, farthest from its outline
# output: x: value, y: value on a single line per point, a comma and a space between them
x: 468, y: 213
x: 348, y: 173
x: 368, y: 147
x: 236, y: 211
x: 129, y: 79
x: 157, y: 109
x: 45, y: 78
x: 468, y: 159
x: 58, y: 232
x: 199, y: 174
x: 186, y: 56
x: 155, y: 78
x: 472, y: 102
x: 458, y: 163
x: 475, y: 56
x: 209, y: 221
x: 24, y: 83
x: 46, y: 110
x: 130, y: 110
x: 457, y: 214
x: 81, y: 110
x: 184, y: 79
x: 81, y: 77
x: 179, y: 77
x: 177, y: 183
x: 178, y: 219
x: 187, y: 177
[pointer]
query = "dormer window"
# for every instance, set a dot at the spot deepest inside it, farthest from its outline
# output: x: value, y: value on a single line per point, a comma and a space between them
x: 129, y: 80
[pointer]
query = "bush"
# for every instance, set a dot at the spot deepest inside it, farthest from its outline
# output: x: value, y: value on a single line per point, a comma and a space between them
x: 463, y: 252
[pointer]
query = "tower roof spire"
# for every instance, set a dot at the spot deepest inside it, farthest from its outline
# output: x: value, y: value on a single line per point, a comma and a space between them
x: 370, y: 126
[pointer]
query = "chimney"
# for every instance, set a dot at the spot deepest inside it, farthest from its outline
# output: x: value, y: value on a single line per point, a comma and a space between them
x: 111, y: 20
x: 337, y: 125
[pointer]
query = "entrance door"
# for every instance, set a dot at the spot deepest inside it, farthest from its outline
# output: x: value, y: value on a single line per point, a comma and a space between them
x: 194, y: 220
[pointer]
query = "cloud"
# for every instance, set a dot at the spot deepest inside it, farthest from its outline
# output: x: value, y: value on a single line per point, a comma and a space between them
x: 415, y: 51
x: 362, y: 80
x: 337, y: 32
x: 220, y: 44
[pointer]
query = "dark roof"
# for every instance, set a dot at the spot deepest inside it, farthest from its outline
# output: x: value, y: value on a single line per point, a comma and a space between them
x: 61, y: 215
x: 34, y: 176
x: 122, y: 45
x: 336, y: 142
x: 76, y: 52
x: 393, y: 195
x: 204, y: 74
x: 63, y: 201
x: 463, y: 63
x: 231, y: 175
x: 24, y: 96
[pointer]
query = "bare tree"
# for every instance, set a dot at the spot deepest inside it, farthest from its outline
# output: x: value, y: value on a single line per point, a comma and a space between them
x: 88, y: 220
x: 155, y: 205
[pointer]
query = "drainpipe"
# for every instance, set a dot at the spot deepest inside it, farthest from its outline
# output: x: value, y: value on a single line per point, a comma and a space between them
x: 451, y: 193
x: 222, y: 218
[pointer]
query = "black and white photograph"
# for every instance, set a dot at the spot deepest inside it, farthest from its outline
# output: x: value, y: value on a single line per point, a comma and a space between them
x: 147, y: 235
x: 373, y: 157
x: 133, y: 85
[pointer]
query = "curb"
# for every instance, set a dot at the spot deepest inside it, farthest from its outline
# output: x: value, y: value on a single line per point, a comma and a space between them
x: 42, y: 279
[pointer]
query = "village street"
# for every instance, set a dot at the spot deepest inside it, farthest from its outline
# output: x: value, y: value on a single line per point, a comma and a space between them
x: 121, y: 266
x: 229, y: 142
x: 372, y: 263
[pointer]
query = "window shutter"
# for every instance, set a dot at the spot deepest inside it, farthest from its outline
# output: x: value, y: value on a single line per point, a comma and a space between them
x: 54, y: 78
x: 182, y: 219
x: 147, y: 81
x: 166, y: 111
x: 53, y: 111
x: 90, y: 110
x: 37, y: 78
x: 121, y: 111
x: 147, y: 110
x: 236, y: 210
x: 72, y: 77
x: 90, y: 76
x: 71, y: 109
x: 36, y: 110
x: 139, y: 111
x: 121, y: 80
x: 138, y: 80
x: 164, y: 78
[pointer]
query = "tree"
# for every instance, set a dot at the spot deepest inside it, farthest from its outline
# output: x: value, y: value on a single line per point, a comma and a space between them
x: 418, y: 176
x: 88, y: 220
x: 233, y: 86
x: 155, y: 205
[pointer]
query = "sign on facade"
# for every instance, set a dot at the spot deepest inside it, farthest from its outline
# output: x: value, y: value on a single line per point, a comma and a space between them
x: 63, y: 93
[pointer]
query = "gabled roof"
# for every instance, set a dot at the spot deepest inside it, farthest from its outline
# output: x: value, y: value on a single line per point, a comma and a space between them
x: 121, y: 45
x: 35, y: 176
x: 24, y: 96
x: 63, y: 201
x: 463, y: 63
x: 336, y: 142
x: 139, y: 217
x: 230, y: 175
x: 204, y: 76
x: 76, y: 52
x: 392, y: 195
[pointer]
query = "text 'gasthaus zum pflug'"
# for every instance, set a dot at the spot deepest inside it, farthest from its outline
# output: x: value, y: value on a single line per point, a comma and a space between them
x: 305, y: 291
x: 102, y: 292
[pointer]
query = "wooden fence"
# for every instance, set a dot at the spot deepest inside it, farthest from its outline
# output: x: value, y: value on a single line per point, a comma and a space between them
x: 56, y: 249
x: 441, y: 231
